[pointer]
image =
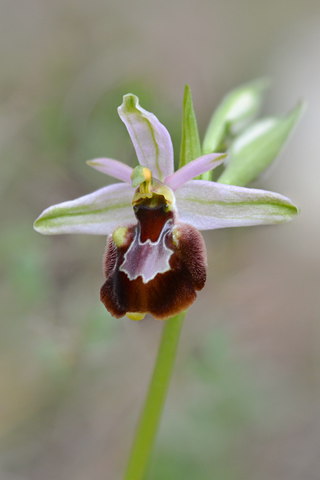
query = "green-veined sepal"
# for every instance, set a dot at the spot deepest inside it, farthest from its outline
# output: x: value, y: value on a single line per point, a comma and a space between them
x: 98, y: 213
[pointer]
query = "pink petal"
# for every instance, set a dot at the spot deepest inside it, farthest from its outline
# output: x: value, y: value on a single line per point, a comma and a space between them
x: 114, y: 168
x: 193, y: 169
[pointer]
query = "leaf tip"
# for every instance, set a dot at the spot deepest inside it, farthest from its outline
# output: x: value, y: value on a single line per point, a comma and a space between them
x: 300, y: 108
x: 187, y: 89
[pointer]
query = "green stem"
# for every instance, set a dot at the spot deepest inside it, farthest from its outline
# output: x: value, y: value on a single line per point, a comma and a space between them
x: 151, y: 413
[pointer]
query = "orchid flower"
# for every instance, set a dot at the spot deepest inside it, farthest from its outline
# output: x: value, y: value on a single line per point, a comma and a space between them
x: 155, y: 260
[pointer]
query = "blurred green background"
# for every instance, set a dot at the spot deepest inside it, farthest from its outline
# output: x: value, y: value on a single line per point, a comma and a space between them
x: 244, y: 402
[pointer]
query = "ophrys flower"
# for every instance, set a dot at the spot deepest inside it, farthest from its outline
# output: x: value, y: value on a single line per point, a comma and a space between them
x: 155, y: 259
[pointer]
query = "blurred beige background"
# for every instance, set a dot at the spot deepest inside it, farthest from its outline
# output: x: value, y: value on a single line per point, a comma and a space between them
x: 244, y: 402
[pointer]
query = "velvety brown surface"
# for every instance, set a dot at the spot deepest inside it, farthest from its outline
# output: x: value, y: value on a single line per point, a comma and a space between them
x: 168, y: 293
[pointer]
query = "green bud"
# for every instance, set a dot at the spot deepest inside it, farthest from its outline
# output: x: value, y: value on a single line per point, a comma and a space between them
x: 236, y: 110
x: 257, y: 147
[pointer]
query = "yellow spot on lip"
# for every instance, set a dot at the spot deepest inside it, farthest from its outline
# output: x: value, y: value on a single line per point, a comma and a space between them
x: 119, y: 236
x: 135, y: 315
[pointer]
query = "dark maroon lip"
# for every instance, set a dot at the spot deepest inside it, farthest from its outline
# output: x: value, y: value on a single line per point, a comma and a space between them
x: 167, y: 293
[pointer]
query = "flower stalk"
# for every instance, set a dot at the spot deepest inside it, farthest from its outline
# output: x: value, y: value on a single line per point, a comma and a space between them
x: 151, y: 414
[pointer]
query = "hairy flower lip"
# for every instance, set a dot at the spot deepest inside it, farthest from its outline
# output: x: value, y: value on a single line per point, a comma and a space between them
x: 138, y: 283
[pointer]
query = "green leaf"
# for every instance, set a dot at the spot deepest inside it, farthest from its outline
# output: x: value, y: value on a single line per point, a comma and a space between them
x: 190, y: 141
x: 236, y: 110
x: 255, y: 149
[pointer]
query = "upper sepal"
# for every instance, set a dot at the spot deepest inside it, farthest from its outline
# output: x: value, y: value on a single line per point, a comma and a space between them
x: 150, y: 138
